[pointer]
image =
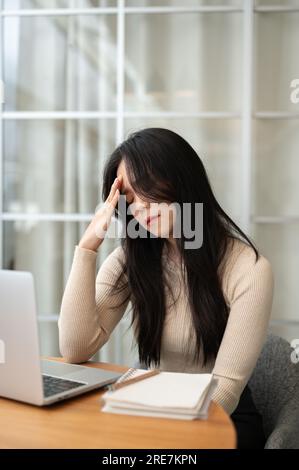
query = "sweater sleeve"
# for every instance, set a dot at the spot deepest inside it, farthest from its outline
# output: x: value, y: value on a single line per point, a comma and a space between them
x: 250, y: 296
x: 90, y: 307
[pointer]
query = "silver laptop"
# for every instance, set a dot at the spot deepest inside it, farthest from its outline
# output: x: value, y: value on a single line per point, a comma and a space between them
x: 24, y: 376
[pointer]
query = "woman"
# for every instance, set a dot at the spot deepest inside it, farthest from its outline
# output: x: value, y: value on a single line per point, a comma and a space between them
x: 195, y: 308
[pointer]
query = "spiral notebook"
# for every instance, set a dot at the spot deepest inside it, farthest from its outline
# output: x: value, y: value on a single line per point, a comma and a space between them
x: 165, y: 395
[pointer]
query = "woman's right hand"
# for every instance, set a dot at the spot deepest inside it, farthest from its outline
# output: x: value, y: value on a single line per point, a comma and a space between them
x: 96, y: 230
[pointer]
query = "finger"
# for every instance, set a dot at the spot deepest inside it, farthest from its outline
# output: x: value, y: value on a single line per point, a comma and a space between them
x: 102, y: 225
x: 113, y: 189
x: 110, y: 206
x: 115, y: 197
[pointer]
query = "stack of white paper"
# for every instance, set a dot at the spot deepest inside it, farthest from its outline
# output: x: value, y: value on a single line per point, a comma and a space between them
x: 167, y: 395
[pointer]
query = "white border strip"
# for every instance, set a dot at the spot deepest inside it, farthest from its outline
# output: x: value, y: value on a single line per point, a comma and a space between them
x: 120, y: 90
x: 246, y: 154
x: 28, y: 115
x: 59, y: 12
x: 286, y: 322
x: 276, y: 115
x: 120, y: 73
x: 275, y: 219
x: 77, y: 217
x: 276, y: 9
x: 46, y: 217
x: 115, y: 10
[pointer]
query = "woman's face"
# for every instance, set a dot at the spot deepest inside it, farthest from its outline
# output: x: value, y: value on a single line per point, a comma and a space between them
x: 157, y: 218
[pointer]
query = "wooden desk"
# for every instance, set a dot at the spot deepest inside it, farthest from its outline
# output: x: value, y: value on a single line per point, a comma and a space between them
x: 79, y: 423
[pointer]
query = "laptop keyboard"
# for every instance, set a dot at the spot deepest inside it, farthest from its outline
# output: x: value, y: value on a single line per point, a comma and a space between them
x: 54, y: 385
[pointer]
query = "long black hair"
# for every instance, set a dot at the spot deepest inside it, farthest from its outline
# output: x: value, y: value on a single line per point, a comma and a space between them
x: 162, y: 166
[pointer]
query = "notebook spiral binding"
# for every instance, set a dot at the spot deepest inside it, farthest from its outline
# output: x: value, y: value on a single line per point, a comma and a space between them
x: 127, y: 375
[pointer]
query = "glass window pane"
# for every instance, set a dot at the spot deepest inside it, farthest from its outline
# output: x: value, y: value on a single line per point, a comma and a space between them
x: 217, y: 142
x: 49, y: 4
x: 183, y: 62
x: 277, y: 39
x: 46, y: 249
x: 81, y: 77
x: 62, y: 176
x: 275, y: 168
x: 49, y: 343
x: 280, y: 244
x: 48, y: 339
x: 282, y: 3
x: 289, y: 331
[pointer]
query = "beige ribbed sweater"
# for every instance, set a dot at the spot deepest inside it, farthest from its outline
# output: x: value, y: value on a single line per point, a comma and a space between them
x: 87, y: 320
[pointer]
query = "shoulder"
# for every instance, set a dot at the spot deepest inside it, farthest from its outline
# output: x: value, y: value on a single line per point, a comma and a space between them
x: 243, y: 270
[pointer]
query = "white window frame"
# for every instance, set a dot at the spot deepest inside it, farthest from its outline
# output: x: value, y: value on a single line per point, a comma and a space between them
x: 119, y: 115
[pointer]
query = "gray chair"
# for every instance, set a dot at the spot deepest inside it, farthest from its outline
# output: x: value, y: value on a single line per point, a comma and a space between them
x: 275, y: 390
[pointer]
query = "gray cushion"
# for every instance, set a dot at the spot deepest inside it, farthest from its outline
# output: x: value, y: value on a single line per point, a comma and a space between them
x: 275, y: 391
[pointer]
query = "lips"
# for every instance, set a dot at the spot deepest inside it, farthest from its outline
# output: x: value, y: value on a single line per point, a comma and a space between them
x: 150, y: 218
